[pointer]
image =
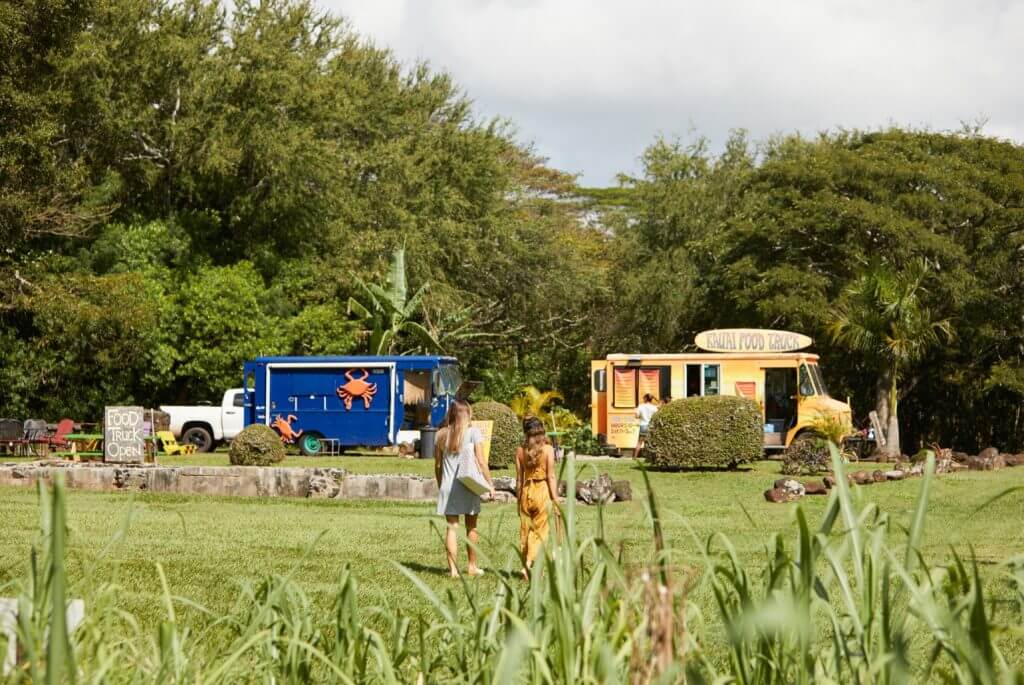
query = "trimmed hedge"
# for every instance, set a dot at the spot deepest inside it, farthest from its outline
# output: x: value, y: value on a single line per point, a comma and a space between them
x: 256, y: 445
x: 719, y: 431
x: 507, y: 433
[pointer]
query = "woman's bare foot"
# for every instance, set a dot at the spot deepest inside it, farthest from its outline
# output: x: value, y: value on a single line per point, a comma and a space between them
x: 524, y: 574
x: 475, y: 571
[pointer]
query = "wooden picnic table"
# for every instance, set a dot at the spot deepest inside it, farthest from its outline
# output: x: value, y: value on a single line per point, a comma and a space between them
x: 85, y: 442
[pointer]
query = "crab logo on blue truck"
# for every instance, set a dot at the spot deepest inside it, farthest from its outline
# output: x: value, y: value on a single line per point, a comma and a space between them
x: 351, y: 401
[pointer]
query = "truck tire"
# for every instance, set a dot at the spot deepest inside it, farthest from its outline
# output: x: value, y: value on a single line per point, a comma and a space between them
x: 310, y: 445
x: 198, y: 436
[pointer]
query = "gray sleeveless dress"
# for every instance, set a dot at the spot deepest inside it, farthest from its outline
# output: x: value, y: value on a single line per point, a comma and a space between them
x: 453, y: 498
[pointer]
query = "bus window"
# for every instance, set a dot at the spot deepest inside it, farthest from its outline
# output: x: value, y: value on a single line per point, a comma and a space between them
x: 703, y: 379
x: 624, y: 390
x: 633, y: 383
x: 711, y: 373
x: 806, y: 384
x: 600, y: 381
x: 649, y: 383
x: 818, y: 379
x: 693, y: 380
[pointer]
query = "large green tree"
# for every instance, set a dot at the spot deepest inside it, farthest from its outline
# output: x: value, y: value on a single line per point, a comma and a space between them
x: 772, y: 235
x: 247, y: 159
x: 44, y: 189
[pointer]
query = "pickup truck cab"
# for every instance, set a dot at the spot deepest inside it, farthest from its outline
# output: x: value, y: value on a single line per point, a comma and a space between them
x: 207, y: 426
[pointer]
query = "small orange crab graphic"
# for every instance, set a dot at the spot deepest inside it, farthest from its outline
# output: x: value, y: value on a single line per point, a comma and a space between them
x: 284, y: 427
x: 357, y: 388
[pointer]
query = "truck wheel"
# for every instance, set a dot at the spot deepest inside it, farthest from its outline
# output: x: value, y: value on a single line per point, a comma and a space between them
x: 310, y: 445
x: 198, y: 436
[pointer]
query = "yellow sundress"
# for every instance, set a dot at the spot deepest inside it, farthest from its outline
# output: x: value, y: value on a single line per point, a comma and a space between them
x: 533, y: 508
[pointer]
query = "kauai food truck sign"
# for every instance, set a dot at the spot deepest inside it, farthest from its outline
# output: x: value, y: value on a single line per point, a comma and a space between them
x: 751, y: 340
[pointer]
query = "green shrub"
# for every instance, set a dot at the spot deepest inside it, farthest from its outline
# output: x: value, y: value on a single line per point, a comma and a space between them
x: 718, y: 431
x: 582, y: 441
x: 256, y: 445
x: 806, y: 455
x: 507, y: 433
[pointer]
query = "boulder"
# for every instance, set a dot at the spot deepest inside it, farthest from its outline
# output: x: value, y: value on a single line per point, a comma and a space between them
x: 1013, y: 459
x: 988, y: 453
x: 862, y: 478
x: 596, y: 491
x: 623, y: 490
x: 506, y: 483
x: 986, y: 461
x: 894, y: 475
x: 794, y: 487
x: 815, y: 487
x: 779, y: 495
x: 500, y: 497
x: 829, y: 481
x: 878, y: 476
x: 960, y: 457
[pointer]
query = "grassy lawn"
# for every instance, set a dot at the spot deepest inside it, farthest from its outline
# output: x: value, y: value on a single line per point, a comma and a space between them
x: 209, y: 546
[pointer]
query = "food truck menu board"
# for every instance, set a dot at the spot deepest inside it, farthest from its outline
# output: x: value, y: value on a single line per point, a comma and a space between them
x: 123, y: 435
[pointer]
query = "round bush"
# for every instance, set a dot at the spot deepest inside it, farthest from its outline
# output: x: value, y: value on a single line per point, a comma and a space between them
x: 506, y: 435
x: 720, y: 431
x: 256, y: 445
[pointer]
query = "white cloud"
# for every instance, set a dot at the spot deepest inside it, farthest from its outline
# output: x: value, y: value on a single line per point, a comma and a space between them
x: 592, y: 82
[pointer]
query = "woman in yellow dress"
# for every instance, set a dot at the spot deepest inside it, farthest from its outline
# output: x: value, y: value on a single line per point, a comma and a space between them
x: 536, y: 488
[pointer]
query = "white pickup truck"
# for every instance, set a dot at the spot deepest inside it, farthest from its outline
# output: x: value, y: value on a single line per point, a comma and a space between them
x: 206, y: 426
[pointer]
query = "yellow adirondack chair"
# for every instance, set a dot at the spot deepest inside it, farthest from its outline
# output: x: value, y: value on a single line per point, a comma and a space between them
x: 171, y: 446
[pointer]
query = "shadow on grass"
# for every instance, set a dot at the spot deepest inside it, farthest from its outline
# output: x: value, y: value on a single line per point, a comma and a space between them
x: 443, y: 571
x: 742, y: 468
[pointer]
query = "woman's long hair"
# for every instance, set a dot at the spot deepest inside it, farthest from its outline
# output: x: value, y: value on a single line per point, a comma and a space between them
x: 536, y: 439
x: 455, y: 425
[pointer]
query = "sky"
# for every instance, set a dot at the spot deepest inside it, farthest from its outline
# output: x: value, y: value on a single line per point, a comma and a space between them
x: 591, y: 83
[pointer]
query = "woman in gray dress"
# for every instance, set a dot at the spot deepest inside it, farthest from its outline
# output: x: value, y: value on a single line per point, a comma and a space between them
x: 456, y: 440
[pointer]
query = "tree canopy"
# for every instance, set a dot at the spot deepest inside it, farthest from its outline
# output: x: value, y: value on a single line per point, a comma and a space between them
x: 187, y: 183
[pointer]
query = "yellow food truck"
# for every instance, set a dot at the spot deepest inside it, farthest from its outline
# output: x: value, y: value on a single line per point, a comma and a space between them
x: 761, y: 365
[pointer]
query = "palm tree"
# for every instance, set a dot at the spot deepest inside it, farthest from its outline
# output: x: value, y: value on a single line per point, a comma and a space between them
x: 533, y: 402
x: 881, y: 315
x: 388, y: 312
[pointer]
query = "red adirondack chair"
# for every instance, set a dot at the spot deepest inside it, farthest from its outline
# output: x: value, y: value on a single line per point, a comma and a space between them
x: 57, y: 440
x: 42, y: 441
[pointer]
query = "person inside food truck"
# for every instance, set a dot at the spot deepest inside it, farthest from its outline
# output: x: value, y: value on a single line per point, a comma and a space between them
x: 644, y: 413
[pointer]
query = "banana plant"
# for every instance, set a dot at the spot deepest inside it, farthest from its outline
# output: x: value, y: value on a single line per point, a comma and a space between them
x: 387, y: 313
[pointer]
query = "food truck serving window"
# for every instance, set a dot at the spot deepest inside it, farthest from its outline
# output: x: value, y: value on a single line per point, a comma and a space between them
x: 630, y: 384
x: 703, y: 379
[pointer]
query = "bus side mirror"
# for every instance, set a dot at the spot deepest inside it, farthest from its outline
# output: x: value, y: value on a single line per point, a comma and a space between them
x: 600, y: 381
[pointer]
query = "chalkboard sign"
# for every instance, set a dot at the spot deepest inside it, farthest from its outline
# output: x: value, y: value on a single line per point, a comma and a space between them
x: 123, y: 435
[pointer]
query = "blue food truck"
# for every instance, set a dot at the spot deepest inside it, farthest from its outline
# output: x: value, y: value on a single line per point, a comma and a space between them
x: 350, y: 401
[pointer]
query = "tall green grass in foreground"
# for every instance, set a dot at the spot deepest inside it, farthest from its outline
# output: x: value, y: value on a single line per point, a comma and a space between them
x: 842, y: 604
